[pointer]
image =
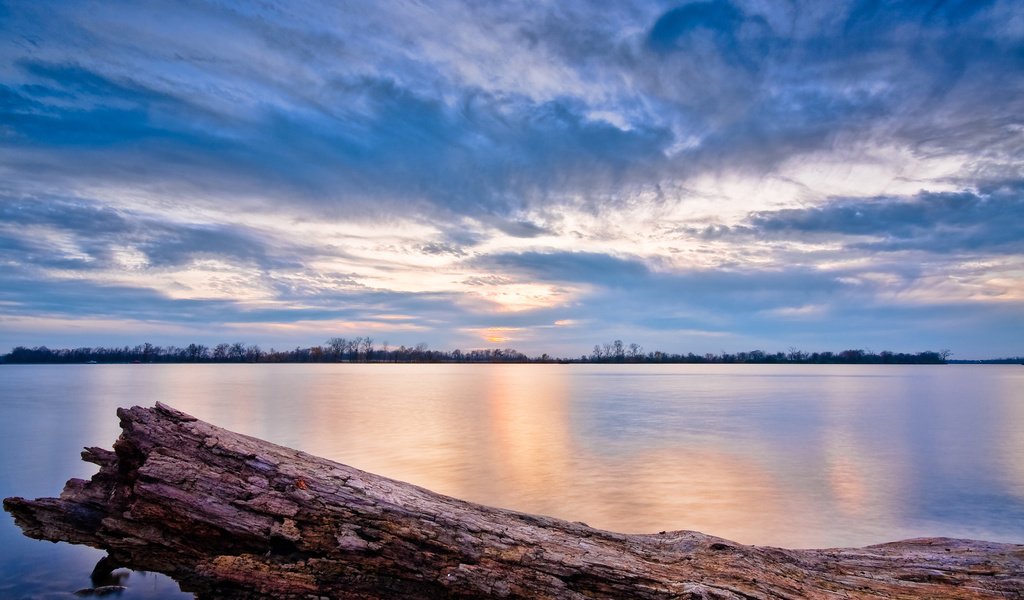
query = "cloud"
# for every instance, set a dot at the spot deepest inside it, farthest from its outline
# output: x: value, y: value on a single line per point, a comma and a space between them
x: 755, y: 86
x: 367, y: 136
x: 717, y: 27
x: 579, y: 267
x: 630, y: 284
x: 439, y: 248
x: 522, y: 229
x: 991, y: 221
x: 304, y: 105
x: 731, y: 166
x: 28, y: 293
x: 92, y: 233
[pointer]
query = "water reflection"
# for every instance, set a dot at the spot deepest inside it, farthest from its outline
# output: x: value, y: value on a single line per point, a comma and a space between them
x: 780, y: 455
x: 529, y: 445
x: 1010, y: 433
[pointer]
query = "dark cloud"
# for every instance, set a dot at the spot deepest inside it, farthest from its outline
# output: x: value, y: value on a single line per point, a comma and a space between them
x: 720, y: 18
x: 95, y: 232
x: 578, y: 267
x: 487, y: 280
x: 522, y: 229
x: 716, y: 27
x: 437, y: 248
x: 990, y: 221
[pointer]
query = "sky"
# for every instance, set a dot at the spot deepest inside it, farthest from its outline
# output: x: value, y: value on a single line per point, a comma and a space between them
x: 690, y: 176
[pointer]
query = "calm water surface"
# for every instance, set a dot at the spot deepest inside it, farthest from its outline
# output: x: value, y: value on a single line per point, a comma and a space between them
x: 797, y: 456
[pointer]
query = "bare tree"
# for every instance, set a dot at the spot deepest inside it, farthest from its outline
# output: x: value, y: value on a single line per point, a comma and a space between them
x: 197, y: 352
x: 253, y: 353
x: 337, y: 347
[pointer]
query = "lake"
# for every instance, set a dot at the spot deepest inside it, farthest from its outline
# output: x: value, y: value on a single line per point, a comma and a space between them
x: 785, y: 455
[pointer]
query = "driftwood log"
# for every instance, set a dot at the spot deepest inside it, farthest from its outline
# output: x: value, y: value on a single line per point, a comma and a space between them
x: 231, y: 516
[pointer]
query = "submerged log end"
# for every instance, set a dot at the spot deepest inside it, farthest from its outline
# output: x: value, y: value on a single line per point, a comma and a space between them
x: 231, y: 516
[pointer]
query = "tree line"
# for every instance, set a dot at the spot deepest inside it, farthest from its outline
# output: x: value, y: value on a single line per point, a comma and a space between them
x: 336, y: 349
x: 363, y: 349
x: 618, y: 352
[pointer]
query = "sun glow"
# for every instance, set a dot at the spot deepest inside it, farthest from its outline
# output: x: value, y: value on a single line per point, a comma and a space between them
x: 517, y: 297
x: 498, y: 335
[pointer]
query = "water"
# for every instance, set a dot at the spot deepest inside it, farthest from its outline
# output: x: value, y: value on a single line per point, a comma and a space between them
x: 786, y: 455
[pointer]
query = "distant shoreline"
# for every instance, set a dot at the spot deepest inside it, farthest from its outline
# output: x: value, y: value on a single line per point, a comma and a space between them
x: 527, y: 362
x: 363, y: 350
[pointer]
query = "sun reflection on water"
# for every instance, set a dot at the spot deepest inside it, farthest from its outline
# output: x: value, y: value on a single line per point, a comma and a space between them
x: 789, y: 456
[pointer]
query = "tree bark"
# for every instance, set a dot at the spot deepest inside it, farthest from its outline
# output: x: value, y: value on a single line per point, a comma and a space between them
x: 231, y: 516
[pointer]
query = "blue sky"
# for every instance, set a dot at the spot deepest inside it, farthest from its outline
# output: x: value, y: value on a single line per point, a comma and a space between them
x: 703, y: 176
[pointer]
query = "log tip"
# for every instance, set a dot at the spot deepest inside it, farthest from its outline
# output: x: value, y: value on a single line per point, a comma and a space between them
x: 173, y: 413
x: 15, y: 506
x: 160, y: 410
x: 22, y: 510
x: 12, y: 502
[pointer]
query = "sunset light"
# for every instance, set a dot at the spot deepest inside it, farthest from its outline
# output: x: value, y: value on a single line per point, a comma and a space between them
x: 420, y: 299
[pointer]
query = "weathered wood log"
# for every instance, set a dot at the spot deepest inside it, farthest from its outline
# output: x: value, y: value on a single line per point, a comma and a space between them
x: 232, y: 516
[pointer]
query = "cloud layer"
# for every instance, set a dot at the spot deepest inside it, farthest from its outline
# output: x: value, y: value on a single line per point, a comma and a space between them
x: 703, y: 176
